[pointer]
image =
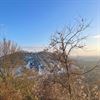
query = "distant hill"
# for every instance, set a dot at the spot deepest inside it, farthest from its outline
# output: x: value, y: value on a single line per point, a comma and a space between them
x: 40, y: 61
x: 43, y: 62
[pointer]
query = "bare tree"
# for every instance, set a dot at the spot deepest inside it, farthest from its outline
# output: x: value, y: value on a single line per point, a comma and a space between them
x: 8, y: 47
x: 65, y: 41
x: 9, y: 57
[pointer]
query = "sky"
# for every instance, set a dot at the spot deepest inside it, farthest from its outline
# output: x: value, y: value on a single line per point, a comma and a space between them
x: 30, y: 23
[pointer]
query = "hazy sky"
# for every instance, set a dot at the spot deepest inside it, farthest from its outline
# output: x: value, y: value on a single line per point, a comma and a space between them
x: 31, y: 22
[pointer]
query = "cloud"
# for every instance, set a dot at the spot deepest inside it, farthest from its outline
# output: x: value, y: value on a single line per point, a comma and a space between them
x: 33, y: 49
x: 96, y: 36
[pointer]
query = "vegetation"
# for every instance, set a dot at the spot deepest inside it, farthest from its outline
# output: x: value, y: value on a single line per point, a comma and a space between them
x: 68, y: 84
